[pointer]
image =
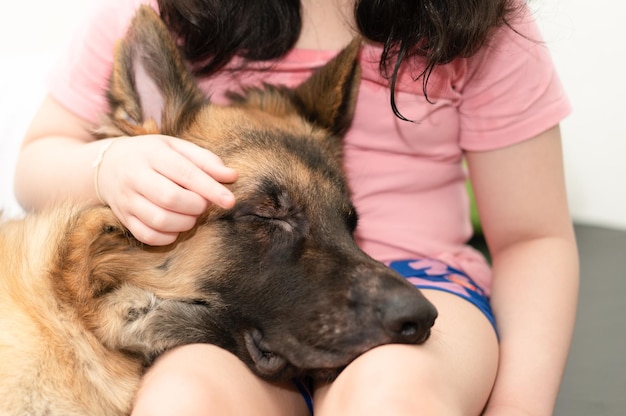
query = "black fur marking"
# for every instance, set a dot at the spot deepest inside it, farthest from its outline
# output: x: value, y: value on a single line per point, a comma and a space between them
x: 352, y: 219
x: 165, y: 266
x: 132, y: 314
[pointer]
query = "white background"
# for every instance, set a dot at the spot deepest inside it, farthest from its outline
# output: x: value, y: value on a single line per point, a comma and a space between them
x: 588, y: 43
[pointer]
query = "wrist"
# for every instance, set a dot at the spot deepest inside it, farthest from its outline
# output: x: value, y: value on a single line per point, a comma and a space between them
x: 96, y: 167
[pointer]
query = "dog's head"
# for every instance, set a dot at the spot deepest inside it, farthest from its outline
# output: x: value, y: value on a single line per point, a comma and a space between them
x: 278, y: 279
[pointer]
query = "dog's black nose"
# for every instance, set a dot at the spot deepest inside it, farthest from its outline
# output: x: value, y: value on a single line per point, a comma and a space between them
x: 408, y: 318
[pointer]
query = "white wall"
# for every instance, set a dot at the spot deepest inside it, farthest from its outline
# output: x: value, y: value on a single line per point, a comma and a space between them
x: 587, y: 41
x: 30, y: 26
x: 31, y: 34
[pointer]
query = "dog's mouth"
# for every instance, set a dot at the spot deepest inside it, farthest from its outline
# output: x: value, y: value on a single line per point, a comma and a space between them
x: 267, y: 362
x: 320, y: 363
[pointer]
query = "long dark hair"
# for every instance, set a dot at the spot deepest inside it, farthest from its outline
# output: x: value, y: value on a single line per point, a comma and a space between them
x: 212, y: 32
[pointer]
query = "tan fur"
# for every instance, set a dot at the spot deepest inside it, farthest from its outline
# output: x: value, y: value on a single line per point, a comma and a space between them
x: 35, y: 355
x: 60, y: 338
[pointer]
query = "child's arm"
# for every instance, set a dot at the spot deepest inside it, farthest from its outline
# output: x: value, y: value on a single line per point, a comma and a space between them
x: 520, y: 193
x: 156, y: 185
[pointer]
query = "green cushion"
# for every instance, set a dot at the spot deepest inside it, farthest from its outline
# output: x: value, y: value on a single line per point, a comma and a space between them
x: 473, y: 210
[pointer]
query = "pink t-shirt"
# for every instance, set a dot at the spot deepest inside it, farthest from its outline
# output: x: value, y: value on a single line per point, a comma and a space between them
x: 408, y: 179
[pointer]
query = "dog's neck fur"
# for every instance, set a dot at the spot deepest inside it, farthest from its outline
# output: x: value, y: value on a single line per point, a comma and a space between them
x: 31, y: 245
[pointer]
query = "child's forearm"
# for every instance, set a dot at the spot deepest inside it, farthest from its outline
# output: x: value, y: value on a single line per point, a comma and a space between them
x: 534, y: 297
x: 56, y: 169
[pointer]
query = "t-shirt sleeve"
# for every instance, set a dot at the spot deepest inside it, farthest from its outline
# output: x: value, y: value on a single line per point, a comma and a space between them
x: 80, y: 77
x: 512, y: 91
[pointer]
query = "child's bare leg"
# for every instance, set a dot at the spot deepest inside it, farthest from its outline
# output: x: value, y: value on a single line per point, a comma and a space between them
x: 452, y: 374
x: 202, y: 379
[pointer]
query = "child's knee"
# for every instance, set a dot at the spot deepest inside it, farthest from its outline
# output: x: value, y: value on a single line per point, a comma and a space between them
x: 202, y: 379
x: 173, y: 392
x: 388, y: 380
x: 180, y: 382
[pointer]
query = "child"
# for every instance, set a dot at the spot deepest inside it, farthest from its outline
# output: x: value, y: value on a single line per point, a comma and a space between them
x: 476, y: 84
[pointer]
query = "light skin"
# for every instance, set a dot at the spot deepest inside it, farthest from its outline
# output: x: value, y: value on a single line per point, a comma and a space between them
x: 158, y: 185
x: 535, y: 269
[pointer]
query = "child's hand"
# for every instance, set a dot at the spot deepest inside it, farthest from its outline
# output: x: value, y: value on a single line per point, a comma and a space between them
x: 159, y: 185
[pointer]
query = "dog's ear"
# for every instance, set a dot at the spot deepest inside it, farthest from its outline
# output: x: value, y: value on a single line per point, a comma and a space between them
x: 91, y: 233
x: 150, y: 87
x: 328, y: 97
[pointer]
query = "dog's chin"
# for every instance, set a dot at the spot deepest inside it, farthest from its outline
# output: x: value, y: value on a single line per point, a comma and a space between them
x: 273, y: 365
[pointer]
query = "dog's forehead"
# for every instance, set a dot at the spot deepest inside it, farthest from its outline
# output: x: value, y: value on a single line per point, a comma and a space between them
x: 264, y: 147
x: 278, y: 168
x: 261, y: 141
x: 215, y: 123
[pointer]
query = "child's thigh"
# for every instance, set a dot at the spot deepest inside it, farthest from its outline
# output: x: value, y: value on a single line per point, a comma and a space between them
x: 202, y: 379
x: 451, y: 374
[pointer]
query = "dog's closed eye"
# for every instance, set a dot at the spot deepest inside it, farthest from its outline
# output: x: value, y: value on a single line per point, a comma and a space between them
x: 268, y: 220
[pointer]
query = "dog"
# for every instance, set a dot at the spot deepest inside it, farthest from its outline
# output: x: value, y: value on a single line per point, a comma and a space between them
x: 277, y: 280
